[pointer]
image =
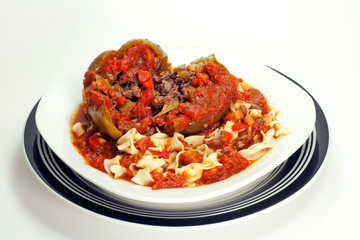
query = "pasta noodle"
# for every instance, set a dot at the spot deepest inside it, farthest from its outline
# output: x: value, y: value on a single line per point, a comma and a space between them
x: 142, y: 177
x: 126, y: 142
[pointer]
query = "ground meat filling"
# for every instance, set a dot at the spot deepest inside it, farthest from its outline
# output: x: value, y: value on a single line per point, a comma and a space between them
x: 168, y: 87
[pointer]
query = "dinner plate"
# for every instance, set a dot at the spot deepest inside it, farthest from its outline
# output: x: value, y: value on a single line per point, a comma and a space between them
x: 297, y: 113
x: 289, y: 178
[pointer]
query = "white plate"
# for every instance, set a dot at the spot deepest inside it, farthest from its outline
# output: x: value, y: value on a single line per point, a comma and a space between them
x: 297, y: 112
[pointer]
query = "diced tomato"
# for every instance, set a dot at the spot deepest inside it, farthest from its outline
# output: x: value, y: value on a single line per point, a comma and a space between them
x: 238, y: 126
x: 148, y: 57
x: 165, y: 153
x: 132, y: 55
x: 216, y: 72
x: 194, y: 111
x: 94, y: 140
x: 109, y: 66
x: 145, y: 123
x: 144, y: 143
x: 225, y: 139
x: 159, y: 120
x: 232, y: 163
x: 95, y: 98
x: 117, y: 96
x: 120, y: 100
x: 144, y: 100
x: 146, y: 96
x: 129, y: 58
x: 176, y: 121
x: 125, y: 63
x: 145, y: 79
x: 190, y: 156
x: 200, y: 79
x: 229, y: 116
x: 171, y: 180
x: 125, y: 161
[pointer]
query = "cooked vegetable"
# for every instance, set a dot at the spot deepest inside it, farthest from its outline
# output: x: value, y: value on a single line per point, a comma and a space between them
x: 127, y: 106
x: 204, y: 60
x: 124, y: 71
x: 164, y: 63
x: 168, y: 106
x: 249, y: 120
x: 102, y: 121
x: 195, y: 127
x: 99, y: 60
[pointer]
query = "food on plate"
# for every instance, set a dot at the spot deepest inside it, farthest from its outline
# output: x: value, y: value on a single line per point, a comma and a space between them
x: 144, y: 121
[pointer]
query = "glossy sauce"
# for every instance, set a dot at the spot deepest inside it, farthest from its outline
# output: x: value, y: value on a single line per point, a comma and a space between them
x: 211, y: 91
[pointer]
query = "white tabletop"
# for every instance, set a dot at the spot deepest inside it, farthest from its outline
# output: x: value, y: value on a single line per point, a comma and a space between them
x: 314, y: 42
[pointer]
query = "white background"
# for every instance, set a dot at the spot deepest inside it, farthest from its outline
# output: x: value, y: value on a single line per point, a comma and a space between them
x: 314, y: 42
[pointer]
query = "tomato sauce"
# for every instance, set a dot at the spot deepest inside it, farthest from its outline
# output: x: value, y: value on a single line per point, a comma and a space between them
x: 93, y: 147
x: 232, y: 163
x: 211, y: 90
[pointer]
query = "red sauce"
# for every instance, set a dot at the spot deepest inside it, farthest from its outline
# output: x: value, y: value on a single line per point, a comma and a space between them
x: 170, y: 181
x: 95, y: 148
x: 212, y: 89
x: 88, y: 143
x: 232, y: 163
